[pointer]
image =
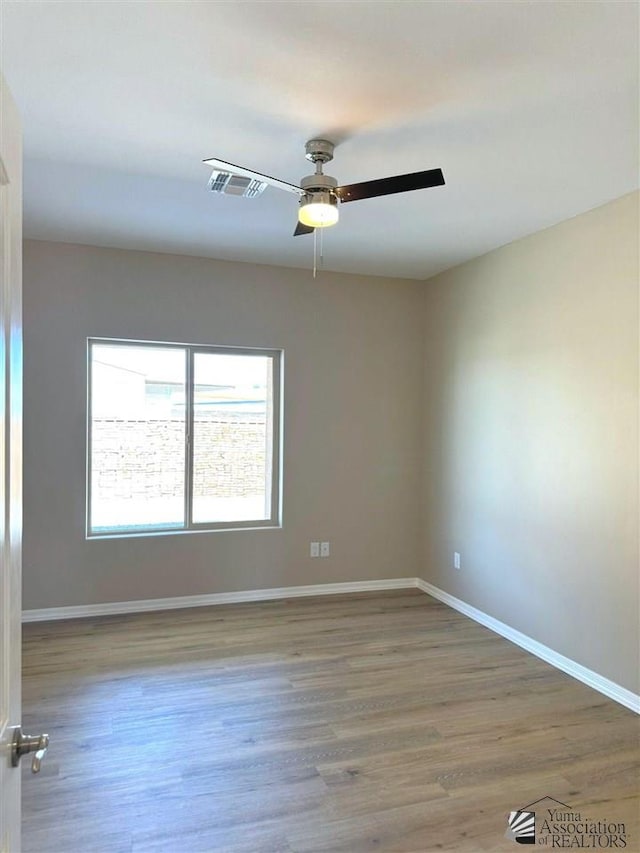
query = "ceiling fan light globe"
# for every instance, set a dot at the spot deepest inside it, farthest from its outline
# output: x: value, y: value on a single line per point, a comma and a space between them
x: 318, y: 214
x: 318, y: 208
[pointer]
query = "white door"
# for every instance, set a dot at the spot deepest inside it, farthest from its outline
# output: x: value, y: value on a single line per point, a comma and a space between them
x: 10, y: 462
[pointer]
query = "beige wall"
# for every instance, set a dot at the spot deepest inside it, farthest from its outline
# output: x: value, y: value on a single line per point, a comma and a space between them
x: 531, y: 437
x: 353, y: 368
x: 513, y: 377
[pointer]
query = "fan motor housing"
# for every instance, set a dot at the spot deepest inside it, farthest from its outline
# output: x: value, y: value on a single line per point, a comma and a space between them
x: 318, y: 182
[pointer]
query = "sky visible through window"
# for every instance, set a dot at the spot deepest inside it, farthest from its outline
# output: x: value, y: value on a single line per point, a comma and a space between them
x: 168, y: 365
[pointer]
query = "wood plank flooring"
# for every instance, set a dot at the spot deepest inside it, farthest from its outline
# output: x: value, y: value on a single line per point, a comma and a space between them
x: 377, y: 722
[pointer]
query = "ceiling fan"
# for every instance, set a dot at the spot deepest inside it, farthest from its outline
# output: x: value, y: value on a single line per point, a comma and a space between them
x: 319, y: 193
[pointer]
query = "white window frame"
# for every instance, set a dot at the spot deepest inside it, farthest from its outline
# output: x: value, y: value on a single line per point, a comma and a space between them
x: 274, y: 470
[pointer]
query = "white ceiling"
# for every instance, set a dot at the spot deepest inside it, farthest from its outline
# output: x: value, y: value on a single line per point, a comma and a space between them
x: 530, y: 109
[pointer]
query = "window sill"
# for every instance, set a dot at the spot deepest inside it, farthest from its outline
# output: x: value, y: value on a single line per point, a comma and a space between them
x: 145, y: 534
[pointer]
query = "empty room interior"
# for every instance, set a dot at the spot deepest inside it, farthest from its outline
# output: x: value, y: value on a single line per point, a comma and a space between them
x: 329, y: 442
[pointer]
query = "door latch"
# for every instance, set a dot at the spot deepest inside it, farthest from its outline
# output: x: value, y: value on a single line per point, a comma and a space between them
x: 24, y: 744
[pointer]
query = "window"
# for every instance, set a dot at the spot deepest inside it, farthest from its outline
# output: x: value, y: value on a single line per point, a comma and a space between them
x: 181, y: 438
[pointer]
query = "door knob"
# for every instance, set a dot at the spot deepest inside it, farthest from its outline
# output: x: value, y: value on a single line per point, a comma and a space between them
x: 23, y: 744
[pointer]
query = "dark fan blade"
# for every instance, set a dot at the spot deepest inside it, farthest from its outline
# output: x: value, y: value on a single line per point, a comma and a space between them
x: 223, y: 166
x: 387, y: 186
x: 303, y: 229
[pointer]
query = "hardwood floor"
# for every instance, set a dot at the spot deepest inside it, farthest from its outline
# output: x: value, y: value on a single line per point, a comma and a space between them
x: 343, y: 723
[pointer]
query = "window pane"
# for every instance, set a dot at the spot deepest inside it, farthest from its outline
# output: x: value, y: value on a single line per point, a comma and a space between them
x: 232, y: 428
x: 137, y: 437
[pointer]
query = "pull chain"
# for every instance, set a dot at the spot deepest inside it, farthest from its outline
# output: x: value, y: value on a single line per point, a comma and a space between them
x: 315, y: 251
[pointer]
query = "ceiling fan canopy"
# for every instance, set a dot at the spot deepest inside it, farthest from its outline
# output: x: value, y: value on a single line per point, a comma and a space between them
x: 319, y: 194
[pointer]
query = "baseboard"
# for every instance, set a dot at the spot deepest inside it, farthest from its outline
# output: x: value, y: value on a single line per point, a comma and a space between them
x: 49, y: 614
x: 581, y: 673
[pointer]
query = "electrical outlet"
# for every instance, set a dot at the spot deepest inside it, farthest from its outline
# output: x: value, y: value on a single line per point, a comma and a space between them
x: 456, y: 560
x: 315, y: 549
x: 324, y: 549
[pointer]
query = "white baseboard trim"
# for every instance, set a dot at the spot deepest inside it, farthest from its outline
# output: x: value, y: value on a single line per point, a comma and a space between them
x: 581, y: 673
x: 49, y: 614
